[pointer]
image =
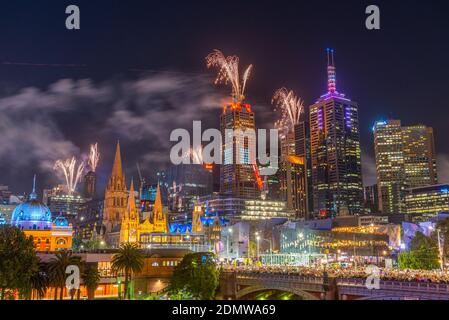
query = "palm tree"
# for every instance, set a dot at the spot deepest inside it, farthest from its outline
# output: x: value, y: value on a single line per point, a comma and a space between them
x: 128, y: 260
x: 57, y: 267
x: 91, y: 278
x: 39, y: 282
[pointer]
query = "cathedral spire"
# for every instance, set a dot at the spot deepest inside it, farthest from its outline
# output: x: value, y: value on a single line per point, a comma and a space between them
x: 117, y: 167
x: 159, y: 218
x: 131, y: 198
x: 158, y: 200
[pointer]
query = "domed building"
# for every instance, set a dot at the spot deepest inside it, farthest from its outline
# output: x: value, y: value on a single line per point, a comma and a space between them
x: 35, y: 219
x: 32, y: 215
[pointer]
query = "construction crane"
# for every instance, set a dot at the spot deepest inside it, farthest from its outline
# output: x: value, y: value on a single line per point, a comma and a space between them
x: 259, y: 181
x: 142, y: 180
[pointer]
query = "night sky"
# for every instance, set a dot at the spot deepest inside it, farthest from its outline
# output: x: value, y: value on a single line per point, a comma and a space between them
x: 136, y: 70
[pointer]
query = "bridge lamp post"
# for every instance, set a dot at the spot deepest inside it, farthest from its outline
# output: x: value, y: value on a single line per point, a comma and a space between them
x: 440, y: 250
x: 257, y: 242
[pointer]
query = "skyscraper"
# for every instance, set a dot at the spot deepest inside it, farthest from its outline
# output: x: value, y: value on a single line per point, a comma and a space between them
x: 419, y: 156
x: 371, y: 197
x: 187, y: 182
x: 335, y: 151
x: 90, y: 185
x: 292, y: 185
x: 115, y: 197
x: 292, y: 176
x: 238, y: 179
x: 405, y: 158
x: 302, y: 149
x: 388, y: 148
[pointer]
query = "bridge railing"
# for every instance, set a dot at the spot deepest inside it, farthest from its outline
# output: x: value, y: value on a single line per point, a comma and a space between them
x: 279, y: 277
x: 398, y: 285
x: 354, y: 282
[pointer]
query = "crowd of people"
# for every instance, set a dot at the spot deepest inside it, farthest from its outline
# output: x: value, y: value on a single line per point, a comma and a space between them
x: 390, y: 274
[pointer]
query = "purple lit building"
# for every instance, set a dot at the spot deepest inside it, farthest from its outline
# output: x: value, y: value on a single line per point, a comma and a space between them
x: 335, y: 152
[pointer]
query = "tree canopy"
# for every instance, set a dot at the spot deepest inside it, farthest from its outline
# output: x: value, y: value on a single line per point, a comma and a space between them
x: 423, y: 254
x: 128, y: 260
x: 197, y: 274
x: 18, y: 261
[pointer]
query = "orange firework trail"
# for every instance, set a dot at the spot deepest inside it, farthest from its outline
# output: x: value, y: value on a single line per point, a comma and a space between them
x: 290, y: 107
x: 94, y: 157
x: 229, y: 72
x: 71, y: 175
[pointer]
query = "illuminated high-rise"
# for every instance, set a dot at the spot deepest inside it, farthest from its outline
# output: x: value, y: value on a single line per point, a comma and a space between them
x: 419, y: 156
x: 335, y: 152
x: 405, y: 158
x: 237, y: 175
x: 428, y: 200
x: 388, y: 149
x: 292, y: 176
x: 302, y: 150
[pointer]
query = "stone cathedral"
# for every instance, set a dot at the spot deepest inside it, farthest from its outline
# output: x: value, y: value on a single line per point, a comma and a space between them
x: 121, y: 217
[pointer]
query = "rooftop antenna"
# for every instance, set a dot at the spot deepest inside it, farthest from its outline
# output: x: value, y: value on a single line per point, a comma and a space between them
x: 33, y: 194
x: 331, y: 72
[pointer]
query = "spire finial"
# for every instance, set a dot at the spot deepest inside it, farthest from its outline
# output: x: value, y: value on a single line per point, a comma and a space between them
x: 33, y: 194
x: 117, y: 166
x: 331, y: 72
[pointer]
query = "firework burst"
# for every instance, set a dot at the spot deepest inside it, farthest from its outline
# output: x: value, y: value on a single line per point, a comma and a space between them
x: 229, y: 72
x: 72, y: 174
x: 94, y: 157
x: 290, y: 107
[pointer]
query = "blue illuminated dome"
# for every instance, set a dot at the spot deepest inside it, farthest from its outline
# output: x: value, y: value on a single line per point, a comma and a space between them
x: 61, y: 221
x: 32, y: 214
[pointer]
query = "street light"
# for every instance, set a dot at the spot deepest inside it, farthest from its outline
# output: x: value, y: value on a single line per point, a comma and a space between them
x: 440, y: 250
x: 257, y: 241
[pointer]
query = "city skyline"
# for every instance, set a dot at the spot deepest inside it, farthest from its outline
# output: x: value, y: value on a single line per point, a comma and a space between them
x: 224, y: 151
x: 60, y: 114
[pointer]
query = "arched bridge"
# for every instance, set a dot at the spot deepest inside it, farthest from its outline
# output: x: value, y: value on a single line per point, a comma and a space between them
x: 239, y: 285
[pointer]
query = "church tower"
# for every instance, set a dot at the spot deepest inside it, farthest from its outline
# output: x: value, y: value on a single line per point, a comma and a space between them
x: 159, y: 218
x: 115, y: 195
x: 197, y: 226
x: 129, y: 230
